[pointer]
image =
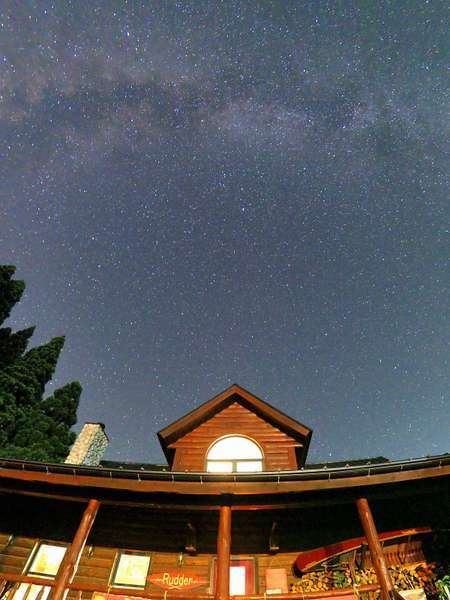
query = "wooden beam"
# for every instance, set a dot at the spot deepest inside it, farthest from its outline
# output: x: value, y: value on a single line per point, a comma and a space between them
x: 67, y: 570
x: 223, y: 554
x: 17, y: 578
x: 376, y: 551
x: 104, y: 589
x: 265, y: 502
x: 79, y: 482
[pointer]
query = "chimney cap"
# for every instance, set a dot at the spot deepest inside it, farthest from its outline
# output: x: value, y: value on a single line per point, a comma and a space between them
x: 102, y: 425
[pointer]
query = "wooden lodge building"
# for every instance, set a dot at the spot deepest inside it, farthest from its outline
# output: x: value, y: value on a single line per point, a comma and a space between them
x: 236, y: 512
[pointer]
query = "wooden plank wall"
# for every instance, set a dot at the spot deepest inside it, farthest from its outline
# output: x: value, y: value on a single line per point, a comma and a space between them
x: 278, y: 447
x: 397, y: 554
x: 275, y: 561
x: 14, y: 552
x: 96, y: 563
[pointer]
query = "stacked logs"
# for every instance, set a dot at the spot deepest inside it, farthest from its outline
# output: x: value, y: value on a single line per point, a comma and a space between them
x: 315, y: 581
x: 404, y: 577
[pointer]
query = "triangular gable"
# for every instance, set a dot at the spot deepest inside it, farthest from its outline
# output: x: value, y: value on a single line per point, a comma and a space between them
x: 235, y: 393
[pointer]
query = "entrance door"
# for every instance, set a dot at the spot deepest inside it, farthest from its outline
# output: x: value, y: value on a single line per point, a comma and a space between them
x: 242, y: 576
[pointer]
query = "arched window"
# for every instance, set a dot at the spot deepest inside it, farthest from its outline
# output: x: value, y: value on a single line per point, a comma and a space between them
x: 234, y: 454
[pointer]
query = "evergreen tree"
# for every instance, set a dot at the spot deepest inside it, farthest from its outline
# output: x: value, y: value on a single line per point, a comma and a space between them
x: 31, y: 427
x: 62, y: 406
x: 42, y: 431
x: 13, y: 345
x: 27, y: 376
x: 10, y: 290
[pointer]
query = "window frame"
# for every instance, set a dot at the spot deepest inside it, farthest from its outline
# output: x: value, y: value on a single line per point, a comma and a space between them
x: 42, y: 590
x: 120, y: 552
x: 33, y: 554
x: 235, y: 558
x: 234, y: 461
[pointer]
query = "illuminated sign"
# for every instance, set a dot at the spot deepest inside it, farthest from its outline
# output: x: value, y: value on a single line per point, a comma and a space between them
x: 177, y: 579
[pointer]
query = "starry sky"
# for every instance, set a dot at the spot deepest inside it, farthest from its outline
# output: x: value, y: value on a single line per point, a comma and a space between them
x: 199, y: 193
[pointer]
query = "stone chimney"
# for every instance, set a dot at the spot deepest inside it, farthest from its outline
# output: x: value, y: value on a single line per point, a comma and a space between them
x: 89, y: 446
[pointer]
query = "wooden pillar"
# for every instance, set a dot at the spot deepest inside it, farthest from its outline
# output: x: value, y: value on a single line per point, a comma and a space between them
x: 376, y: 551
x: 69, y: 565
x: 223, y: 554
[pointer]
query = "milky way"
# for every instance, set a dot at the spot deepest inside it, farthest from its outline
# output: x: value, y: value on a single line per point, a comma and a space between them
x: 201, y: 193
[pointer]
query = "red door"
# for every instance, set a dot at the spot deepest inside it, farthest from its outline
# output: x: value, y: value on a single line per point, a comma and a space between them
x: 242, y: 576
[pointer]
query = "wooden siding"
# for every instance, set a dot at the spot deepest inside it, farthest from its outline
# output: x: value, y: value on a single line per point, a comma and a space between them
x: 14, y: 552
x: 97, y: 563
x: 277, y: 446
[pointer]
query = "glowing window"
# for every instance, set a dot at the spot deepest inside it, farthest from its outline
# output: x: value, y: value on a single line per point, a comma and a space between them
x: 131, y: 570
x: 242, y: 576
x: 237, y: 581
x: 45, y: 564
x: 234, y: 454
x: 47, y: 559
x: 32, y: 591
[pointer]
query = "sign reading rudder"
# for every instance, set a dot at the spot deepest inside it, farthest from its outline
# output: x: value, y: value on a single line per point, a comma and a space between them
x: 175, y: 579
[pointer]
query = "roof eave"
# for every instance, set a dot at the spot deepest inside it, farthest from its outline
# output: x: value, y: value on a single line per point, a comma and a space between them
x: 207, y: 409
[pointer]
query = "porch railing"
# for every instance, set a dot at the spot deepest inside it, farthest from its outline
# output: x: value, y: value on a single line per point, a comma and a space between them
x: 10, y: 582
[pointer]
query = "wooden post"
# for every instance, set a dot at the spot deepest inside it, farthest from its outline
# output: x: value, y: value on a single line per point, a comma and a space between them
x: 376, y: 551
x: 223, y: 554
x: 67, y: 570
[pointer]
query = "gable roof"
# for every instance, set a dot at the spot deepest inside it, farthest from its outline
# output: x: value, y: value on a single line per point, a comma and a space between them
x: 235, y: 393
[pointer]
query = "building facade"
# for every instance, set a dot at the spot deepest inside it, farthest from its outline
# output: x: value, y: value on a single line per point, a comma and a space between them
x: 237, y: 511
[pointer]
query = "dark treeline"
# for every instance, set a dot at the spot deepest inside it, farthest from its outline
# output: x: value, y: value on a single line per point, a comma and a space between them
x: 31, y: 427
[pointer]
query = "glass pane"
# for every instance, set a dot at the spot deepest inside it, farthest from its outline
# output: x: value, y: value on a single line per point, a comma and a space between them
x: 47, y: 560
x: 237, y: 581
x: 249, y: 466
x: 132, y: 570
x: 219, y: 467
x: 234, y: 447
x: 33, y: 593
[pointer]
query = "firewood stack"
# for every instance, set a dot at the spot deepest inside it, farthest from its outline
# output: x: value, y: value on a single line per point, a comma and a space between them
x: 422, y: 575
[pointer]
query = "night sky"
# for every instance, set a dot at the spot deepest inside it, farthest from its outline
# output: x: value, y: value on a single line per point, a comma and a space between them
x: 202, y: 193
